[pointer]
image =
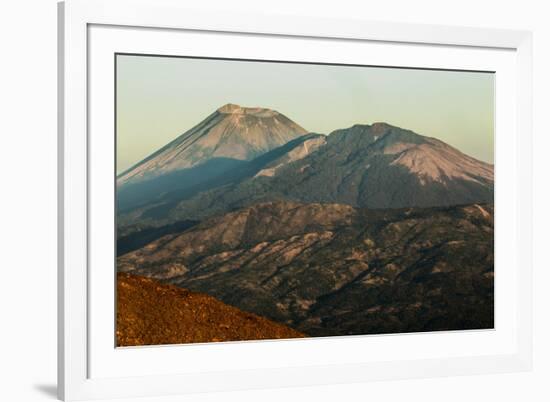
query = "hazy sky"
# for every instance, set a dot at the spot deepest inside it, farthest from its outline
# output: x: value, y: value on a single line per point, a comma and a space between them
x: 159, y: 98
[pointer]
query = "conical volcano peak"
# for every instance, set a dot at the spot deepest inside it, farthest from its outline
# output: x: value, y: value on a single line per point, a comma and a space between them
x: 232, y: 108
x: 232, y: 132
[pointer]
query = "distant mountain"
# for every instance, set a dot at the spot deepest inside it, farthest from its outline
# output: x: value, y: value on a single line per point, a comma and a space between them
x: 170, y: 189
x: 151, y: 313
x: 374, y: 166
x: 332, y: 269
x: 230, y: 133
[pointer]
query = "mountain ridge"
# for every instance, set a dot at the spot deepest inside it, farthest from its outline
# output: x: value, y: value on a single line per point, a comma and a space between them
x: 331, y: 269
x: 373, y: 166
x: 231, y: 131
x: 370, y: 229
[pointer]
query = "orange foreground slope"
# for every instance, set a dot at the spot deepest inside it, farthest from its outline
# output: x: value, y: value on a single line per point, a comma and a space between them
x: 152, y: 313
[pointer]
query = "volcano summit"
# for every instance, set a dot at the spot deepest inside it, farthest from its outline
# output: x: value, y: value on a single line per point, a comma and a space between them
x: 231, y: 132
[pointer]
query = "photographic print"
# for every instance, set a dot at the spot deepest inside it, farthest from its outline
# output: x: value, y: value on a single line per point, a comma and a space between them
x: 272, y: 200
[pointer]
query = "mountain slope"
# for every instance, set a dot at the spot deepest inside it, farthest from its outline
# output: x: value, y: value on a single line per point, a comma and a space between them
x: 377, y: 166
x: 331, y: 269
x: 168, y: 190
x: 150, y: 313
x: 231, y: 132
x: 307, y: 145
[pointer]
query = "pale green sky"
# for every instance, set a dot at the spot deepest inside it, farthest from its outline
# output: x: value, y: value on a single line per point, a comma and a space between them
x: 159, y: 98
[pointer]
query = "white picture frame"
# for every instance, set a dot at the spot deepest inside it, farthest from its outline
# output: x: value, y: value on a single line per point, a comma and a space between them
x: 79, y: 377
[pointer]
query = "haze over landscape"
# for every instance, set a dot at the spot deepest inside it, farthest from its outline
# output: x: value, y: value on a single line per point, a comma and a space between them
x: 248, y: 225
x: 166, y: 96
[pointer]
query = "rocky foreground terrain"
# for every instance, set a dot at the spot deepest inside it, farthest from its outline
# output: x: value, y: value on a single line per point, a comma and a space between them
x: 332, y: 269
x: 150, y: 313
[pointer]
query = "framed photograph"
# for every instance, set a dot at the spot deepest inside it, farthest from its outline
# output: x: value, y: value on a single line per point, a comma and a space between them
x: 252, y: 201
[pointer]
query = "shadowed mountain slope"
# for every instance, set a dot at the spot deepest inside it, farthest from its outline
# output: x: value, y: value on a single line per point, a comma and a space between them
x: 377, y: 166
x: 165, y: 192
x: 185, y: 183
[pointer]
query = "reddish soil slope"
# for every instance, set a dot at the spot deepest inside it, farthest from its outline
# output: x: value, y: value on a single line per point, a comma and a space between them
x: 152, y: 313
